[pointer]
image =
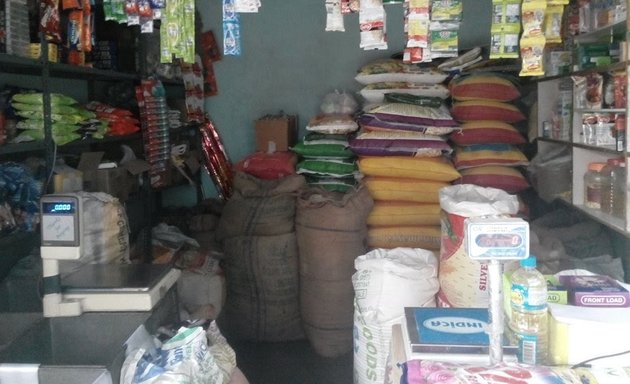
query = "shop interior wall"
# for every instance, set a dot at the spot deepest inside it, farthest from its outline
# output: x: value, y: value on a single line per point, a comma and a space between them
x: 289, y: 62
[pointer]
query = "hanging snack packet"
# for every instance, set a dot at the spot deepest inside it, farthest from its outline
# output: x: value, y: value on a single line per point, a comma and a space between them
x: 334, y: 17
x: 553, y: 23
x: 75, y: 30
x: 446, y: 10
x: 372, y: 25
x: 132, y: 11
x: 444, y: 39
x: 87, y: 37
x: 533, y: 15
x: 532, y: 49
x: 231, y: 30
x: 49, y: 23
x: 417, y: 31
x: 505, y: 29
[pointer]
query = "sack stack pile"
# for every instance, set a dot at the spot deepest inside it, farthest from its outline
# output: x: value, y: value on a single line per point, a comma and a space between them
x: 403, y: 152
x: 486, y: 147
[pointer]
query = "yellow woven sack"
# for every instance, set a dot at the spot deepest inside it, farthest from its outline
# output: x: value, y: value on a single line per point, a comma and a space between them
x: 432, y: 168
x: 403, y: 213
x: 404, y: 189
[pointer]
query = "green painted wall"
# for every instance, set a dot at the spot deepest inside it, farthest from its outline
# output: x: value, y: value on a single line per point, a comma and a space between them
x: 290, y: 63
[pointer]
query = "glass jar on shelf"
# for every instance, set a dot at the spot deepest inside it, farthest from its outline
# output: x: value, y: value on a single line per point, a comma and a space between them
x: 593, y: 184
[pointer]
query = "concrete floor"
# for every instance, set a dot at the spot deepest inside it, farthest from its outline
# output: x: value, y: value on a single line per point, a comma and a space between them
x: 292, y: 362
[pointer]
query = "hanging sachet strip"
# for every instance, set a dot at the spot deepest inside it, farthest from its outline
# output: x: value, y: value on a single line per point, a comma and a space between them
x: 334, y: 16
x: 372, y: 25
x: 231, y: 30
x: 246, y: 6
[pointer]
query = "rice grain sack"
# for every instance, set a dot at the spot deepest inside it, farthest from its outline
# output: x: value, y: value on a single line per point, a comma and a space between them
x: 261, y: 273
x: 331, y: 233
x: 259, y: 207
x: 385, y: 282
x: 464, y: 282
x: 105, y: 232
x: 409, y: 236
x: 424, y: 168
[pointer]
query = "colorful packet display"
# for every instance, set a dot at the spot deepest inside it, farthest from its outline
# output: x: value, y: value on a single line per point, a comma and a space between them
x: 231, y: 30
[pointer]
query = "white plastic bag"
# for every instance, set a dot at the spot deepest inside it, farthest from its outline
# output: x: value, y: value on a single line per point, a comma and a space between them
x: 192, y: 356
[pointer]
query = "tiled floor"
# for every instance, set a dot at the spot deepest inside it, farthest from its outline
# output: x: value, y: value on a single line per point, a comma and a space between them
x: 291, y: 362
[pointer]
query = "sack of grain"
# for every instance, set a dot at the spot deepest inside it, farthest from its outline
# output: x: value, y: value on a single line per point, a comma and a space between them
x: 464, y: 282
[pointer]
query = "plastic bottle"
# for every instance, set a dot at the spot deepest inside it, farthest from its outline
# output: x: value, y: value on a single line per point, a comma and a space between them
x: 593, y: 182
x: 529, y: 320
x: 609, y: 173
x: 619, y: 190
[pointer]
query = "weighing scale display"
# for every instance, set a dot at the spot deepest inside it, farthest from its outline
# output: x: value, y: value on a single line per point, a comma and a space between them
x: 60, y: 220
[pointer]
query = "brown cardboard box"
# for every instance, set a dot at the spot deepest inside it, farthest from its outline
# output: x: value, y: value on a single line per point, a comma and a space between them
x: 118, y: 181
x: 276, y: 133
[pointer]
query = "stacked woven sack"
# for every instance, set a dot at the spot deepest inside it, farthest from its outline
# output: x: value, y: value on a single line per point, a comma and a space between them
x: 324, y: 157
x: 486, y: 151
x: 404, y: 155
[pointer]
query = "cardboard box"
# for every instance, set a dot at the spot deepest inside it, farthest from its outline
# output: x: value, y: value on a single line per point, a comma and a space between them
x: 118, y: 181
x: 67, y: 179
x: 275, y: 133
x: 595, y: 291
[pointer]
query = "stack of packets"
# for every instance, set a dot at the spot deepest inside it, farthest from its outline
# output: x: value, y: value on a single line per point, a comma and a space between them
x: 151, y: 97
x: 119, y: 121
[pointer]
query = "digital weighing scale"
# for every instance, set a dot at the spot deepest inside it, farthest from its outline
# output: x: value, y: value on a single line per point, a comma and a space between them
x: 93, y: 287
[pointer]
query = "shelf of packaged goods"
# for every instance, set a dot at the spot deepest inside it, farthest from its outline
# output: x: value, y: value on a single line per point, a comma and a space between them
x: 13, y: 148
x: 87, y: 73
x: 599, y: 148
x: 617, y: 28
x: 34, y: 67
x: 553, y: 141
x: 614, y: 67
x: 105, y: 140
x: 20, y: 65
x: 600, y: 110
x: 610, y: 221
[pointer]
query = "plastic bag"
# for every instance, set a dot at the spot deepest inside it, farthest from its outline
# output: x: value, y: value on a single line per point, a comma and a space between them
x: 339, y: 102
x: 191, y: 356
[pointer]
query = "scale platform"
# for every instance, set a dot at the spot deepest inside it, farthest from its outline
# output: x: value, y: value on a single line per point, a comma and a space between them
x: 119, y: 287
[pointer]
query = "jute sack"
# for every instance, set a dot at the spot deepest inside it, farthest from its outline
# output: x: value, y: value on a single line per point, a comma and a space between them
x: 105, y: 232
x: 261, y: 273
x: 331, y: 232
x: 259, y: 207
